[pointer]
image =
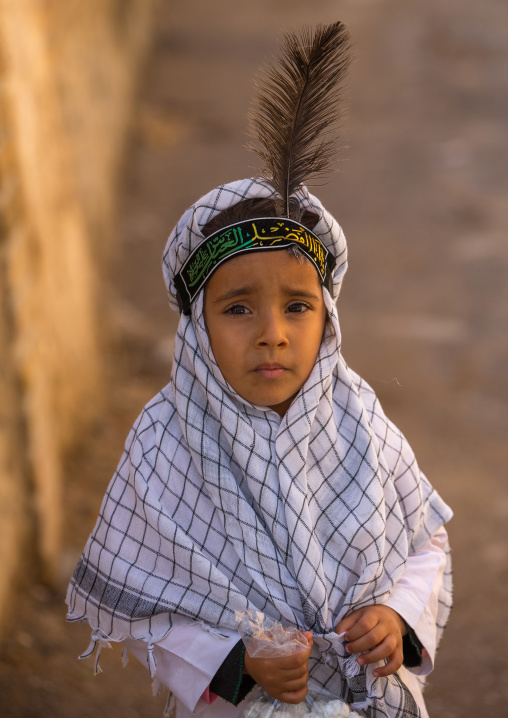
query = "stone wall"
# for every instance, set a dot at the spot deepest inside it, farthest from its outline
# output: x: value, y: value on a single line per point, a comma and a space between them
x: 68, y: 74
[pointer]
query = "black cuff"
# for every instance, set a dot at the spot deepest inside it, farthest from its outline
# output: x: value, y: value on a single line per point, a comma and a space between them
x: 412, y: 647
x: 230, y: 682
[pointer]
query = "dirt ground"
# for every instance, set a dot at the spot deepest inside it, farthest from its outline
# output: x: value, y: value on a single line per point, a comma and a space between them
x: 422, y: 195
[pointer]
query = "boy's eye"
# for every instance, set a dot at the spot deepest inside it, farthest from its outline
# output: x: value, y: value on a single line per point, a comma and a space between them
x: 298, y: 307
x: 237, y: 309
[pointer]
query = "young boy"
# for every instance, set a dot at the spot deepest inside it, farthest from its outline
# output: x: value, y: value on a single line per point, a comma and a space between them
x: 267, y: 476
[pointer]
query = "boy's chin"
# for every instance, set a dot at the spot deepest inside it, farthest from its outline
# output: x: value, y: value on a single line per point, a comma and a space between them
x: 277, y: 400
x: 280, y: 407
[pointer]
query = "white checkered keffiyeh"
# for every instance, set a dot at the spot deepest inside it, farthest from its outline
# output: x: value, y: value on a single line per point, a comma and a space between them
x: 218, y: 505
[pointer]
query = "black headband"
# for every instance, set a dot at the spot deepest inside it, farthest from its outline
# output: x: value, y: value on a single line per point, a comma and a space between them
x: 252, y: 235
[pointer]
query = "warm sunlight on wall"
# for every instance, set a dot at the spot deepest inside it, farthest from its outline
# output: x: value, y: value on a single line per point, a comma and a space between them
x: 68, y: 73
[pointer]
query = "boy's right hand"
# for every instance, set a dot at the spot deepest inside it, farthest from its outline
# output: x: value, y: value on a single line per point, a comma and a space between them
x: 282, y: 678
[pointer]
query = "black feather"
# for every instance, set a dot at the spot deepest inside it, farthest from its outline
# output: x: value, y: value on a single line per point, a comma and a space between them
x: 296, y: 106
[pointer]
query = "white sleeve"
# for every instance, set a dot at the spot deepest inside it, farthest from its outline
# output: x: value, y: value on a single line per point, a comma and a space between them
x: 415, y: 596
x: 187, y: 659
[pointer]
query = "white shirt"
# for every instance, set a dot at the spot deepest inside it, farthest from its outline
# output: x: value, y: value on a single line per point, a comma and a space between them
x: 189, y: 656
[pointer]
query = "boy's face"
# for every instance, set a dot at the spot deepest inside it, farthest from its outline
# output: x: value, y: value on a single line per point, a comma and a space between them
x: 265, y: 317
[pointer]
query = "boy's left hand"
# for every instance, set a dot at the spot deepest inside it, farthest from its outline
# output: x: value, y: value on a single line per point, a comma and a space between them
x: 379, y: 630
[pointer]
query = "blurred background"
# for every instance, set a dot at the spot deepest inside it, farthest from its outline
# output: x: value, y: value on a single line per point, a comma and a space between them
x: 115, y: 116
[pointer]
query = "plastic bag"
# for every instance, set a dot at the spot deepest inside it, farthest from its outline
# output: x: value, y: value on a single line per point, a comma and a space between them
x: 318, y: 703
x: 265, y: 637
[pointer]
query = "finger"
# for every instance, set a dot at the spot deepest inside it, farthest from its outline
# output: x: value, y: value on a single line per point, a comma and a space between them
x: 295, y: 685
x: 295, y: 661
x: 297, y: 674
x: 292, y: 661
x: 294, y: 697
x: 348, y: 622
x: 391, y: 667
x: 297, y: 666
x: 262, y: 668
x: 366, y: 623
x: 384, y: 650
x: 369, y: 640
x: 275, y: 685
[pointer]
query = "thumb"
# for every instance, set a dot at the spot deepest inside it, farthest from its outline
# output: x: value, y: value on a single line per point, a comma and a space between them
x: 308, y: 636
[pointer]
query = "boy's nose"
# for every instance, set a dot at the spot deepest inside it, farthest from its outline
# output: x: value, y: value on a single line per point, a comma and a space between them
x: 271, y: 331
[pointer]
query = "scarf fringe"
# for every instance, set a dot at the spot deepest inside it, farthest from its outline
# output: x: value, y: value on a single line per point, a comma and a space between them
x: 98, y: 641
x: 152, y: 663
x: 351, y: 667
x: 212, y: 630
x: 170, y: 709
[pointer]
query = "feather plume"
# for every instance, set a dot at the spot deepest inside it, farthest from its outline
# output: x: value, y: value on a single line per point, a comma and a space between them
x: 296, y: 106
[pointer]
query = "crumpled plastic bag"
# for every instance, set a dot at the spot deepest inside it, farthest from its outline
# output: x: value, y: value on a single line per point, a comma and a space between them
x: 318, y: 703
x: 265, y: 637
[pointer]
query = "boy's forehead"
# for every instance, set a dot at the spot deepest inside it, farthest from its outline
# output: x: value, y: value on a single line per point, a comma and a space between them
x: 264, y: 269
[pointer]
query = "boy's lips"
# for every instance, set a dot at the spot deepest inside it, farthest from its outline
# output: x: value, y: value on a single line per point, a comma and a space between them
x: 270, y: 370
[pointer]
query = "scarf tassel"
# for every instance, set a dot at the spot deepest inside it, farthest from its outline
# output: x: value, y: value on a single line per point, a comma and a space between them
x: 157, y: 689
x: 350, y: 666
x: 152, y: 663
x: 97, y: 643
x: 125, y: 657
x: 212, y: 630
x: 169, y: 710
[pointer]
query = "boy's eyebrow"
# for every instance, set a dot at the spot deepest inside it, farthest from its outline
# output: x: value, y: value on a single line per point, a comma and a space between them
x: 248, y: 289
x: 297, y: 291
x: 236, y: 292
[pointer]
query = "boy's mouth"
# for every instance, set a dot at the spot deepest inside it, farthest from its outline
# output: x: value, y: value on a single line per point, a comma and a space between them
x: 270, y: 370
